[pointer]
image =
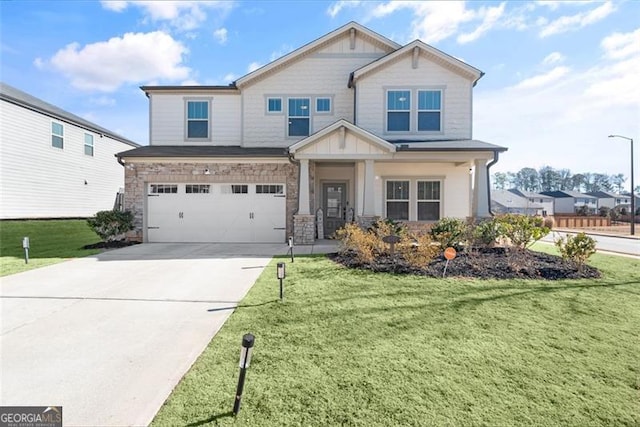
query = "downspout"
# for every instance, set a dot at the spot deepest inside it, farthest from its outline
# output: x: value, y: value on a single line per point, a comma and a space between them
x: 496, y: 156
x: 119, y: 160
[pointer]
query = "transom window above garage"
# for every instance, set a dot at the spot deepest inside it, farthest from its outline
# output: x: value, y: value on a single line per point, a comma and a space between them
x: 163, y: 188
x: 234, y: 189
x: 269, y: 189
x: 198, y: 188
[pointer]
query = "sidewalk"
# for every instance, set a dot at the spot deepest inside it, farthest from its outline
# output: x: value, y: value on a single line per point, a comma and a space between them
x: 598, y: 233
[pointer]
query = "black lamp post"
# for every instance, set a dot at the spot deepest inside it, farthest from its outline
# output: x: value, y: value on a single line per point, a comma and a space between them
x: 245, y: 358
x: 281, y: 274
x: 633, y: 196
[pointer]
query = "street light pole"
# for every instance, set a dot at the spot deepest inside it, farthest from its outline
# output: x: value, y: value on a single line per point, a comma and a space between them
x: 633, y: 196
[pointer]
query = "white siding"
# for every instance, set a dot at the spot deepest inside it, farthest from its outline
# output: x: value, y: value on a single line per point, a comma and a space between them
x: 456, y: 108
x: 40, y: 181
x: 322, y: 73
x: 168, y: 118
x: 563, y: 205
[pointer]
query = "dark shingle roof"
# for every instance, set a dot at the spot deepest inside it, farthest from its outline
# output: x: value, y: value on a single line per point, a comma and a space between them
x: 203, y: 151
x: 446, y: 145
x: 23, y: 99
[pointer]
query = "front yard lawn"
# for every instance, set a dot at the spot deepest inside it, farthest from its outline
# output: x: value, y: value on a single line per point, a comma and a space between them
x: 351, y: 347
x: 52, y: 241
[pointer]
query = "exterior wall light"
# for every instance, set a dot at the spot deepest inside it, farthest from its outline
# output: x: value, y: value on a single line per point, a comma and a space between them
x: 245, y: 359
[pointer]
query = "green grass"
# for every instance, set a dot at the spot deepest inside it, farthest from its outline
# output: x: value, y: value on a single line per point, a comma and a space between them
x: 355, y: 348
x: 52, y: 241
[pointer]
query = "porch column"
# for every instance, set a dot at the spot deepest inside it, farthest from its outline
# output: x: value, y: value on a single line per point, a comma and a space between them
x: 480, y: 190
x: 303, y: 191
x: 369, y: 193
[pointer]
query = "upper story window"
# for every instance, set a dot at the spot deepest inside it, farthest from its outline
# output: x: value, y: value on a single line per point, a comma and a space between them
x: 298, y: 124
x: 274, y: 105
x: 88, y: 144
x: 57, y: 135
x: 323, y: 105
x: 198, y: 119
x: 429, y: 110
x: 398, y: 110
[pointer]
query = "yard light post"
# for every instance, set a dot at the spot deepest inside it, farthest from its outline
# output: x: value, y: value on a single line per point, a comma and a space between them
x: 291, y: 247
x: 281, y: 274
x: 25, y: 246
x: 633, y: 197
x: 245, y: 358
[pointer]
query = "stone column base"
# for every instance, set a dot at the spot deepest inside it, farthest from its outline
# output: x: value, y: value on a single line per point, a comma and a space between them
x: 304, y: 229
x: 366, y: 221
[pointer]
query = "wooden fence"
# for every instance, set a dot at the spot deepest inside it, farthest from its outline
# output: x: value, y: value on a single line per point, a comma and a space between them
x: 581, y: 221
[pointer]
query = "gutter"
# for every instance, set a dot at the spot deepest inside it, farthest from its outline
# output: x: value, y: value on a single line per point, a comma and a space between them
x: 496, y: 156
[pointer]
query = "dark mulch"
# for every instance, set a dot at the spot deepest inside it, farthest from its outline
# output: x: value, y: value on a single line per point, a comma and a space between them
x: 493, y: 263
x: 115, y: 244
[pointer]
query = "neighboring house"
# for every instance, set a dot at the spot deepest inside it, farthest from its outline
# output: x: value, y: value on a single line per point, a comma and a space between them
x: 568, y: 202
x: 352, y: 123
x: 611, y: 200
x: 505, y: 201
x: 54, y: 163
x: 540, y: 199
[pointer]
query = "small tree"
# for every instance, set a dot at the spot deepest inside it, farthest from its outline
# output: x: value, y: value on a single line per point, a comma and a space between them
x: 110, y: 225
x: 576, y: 248
x: 522, y: 230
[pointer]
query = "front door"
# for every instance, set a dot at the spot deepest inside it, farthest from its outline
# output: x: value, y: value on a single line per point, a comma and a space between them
x: 334, y: 200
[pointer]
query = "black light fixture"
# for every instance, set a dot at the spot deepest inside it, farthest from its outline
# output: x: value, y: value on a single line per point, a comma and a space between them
x: 633, y: 197
x: 245, y: 359
x: 281, y: 274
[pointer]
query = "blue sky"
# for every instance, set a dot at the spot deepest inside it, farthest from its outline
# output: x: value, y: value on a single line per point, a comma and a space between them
x: 560, y: 76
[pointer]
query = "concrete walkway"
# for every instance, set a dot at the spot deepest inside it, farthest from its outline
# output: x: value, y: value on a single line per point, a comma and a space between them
x: 109, y: 336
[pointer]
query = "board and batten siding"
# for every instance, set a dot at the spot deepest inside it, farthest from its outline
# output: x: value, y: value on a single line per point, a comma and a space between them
x: 168, y: 118
x: 41, y: 181
x: 324, y: 72
x: 456, y: 100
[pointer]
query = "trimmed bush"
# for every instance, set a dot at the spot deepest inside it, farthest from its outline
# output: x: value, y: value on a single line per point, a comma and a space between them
x: 110, y: 225
x: 522, y: 230
x: 486, y: 232
x: 576, y: 248
x: 449, y: 232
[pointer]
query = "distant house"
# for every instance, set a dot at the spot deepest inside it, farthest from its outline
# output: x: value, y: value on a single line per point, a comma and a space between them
x: 611, y: 200
x: 504, y: 201
x: 568, y: 202
x: 54, y: 164
x: 540, y: 199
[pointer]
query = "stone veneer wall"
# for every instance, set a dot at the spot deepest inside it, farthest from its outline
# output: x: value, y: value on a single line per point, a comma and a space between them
x: 138, y: 174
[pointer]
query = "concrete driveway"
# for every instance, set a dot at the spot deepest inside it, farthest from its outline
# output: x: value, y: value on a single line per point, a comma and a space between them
x: 109, y: 336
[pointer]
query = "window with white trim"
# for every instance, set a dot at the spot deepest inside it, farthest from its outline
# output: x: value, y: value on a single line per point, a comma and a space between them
x: 429, y: 110
x: 198, y: 119
x: 274, y: 105
x: 428, y: 200
x: 323, y: 105
x: 163, y: 188
x: 57, y: 135
x: 88, y: 144
x: 399, y: 111
x: 197, y: 188
x: 298, y: 112
x: 269, y: 189
x: 397, y: 200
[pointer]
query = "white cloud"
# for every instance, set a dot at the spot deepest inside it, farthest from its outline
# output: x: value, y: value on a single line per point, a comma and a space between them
x: 490, y: 17
x: 133, y: 58
x: 253, y: 66
x: 543, y: 79
x: 229, y: 78
x: 577, y: 21
x: 183, y: 15
x: 337, y: 7
x: 553, y: 58
x: 220, y: 35
x: 103, y: 101
x: 189, y: 82
x: 39, y: 63
x: 619, y: 45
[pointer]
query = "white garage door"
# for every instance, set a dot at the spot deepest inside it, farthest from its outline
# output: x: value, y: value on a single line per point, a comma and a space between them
x: 216, y: 213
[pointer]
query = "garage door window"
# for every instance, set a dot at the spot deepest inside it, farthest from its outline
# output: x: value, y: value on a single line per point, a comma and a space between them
x: 269, y: 189
x: 197, y: 188
x: 163, y: 189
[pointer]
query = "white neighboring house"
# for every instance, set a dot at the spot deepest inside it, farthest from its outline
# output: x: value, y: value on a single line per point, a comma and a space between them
x: 505, y: 201
x: 568, y: 202
x: 54, y: 164
x: 611, y: 200
x: 352, y: 124
x: 540, y: 199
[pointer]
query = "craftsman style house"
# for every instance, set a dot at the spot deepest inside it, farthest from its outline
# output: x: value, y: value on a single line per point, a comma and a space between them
x: 351, y: 126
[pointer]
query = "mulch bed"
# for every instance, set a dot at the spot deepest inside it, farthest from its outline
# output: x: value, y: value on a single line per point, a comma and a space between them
x: 110, y: 245
x: 492, y: 263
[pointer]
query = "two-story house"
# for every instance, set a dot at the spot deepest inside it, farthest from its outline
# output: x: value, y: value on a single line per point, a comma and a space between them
x: 352, y: 125
x: 570, y: 202
x: 540, y: 199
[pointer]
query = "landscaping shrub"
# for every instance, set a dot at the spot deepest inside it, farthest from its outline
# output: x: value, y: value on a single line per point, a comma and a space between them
x: 418, y: 251
x: 548, y: 222
x: 576, y: 248
x: 485, y: 233
x: 364, y: 243
x: 110, y: 225
x: 388, y: 227
x: 449, y: 232
x: 522, y: 230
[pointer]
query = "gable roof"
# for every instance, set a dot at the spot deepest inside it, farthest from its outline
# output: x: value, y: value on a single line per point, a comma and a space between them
x: 439, y: 56
x: 567, y: 193
x: 306, y: 49
x: 367, y: 136
x: 15, y: 96
x: 203, y: 151
x: 529, y: 194
x: 607, y: 195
